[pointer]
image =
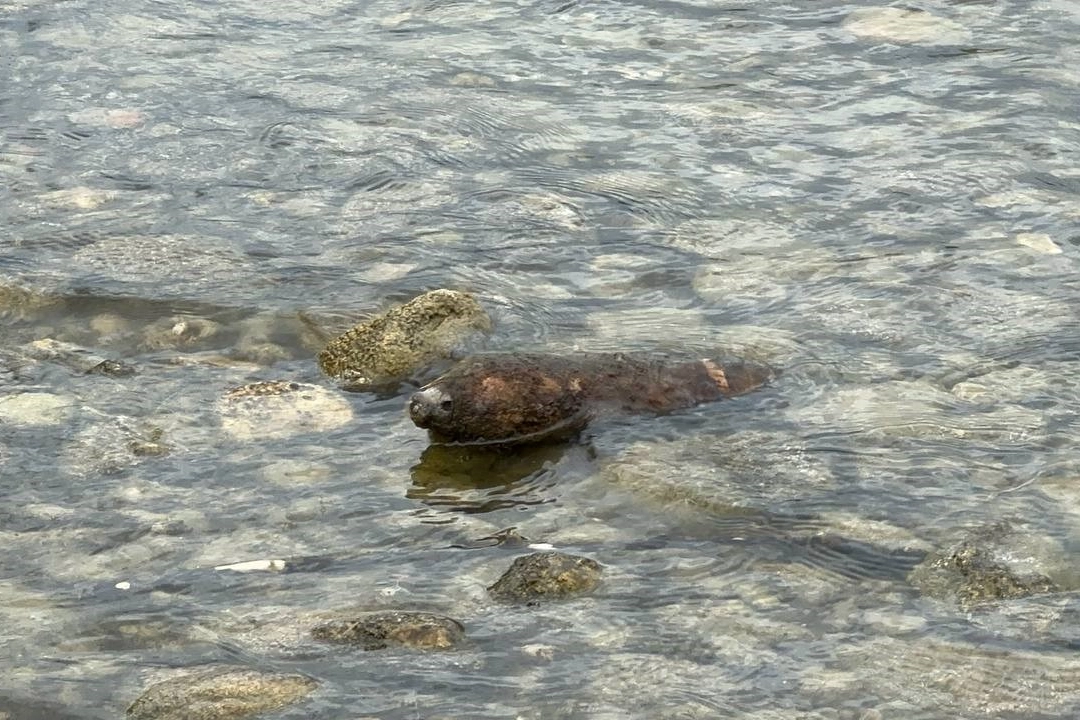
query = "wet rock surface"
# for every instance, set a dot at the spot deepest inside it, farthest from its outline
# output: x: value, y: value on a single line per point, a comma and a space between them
x: 219, y: 693
x: 405, y: 340
x: 420, y: 631
x: 36, y: 409
x: 546, y: 576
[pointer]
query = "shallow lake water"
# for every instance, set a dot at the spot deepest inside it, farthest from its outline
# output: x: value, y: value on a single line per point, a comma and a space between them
x: 880, y: 202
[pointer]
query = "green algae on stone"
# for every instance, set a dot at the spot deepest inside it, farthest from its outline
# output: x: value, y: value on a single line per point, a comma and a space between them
x: 546, y: 576
x: 219, y: 693
x: 992, y: 563
x: 421, y: 631
x: 404, y: 340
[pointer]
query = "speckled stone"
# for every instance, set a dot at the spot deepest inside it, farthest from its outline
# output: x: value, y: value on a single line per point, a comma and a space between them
x: 991, y: 563
x: 421, y: 631
x: 219, y: 693
x: 546, y: 576
x: 279, y: 409
x: 404, y: 340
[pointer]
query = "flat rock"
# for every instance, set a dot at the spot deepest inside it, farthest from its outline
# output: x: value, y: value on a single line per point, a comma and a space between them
x: 219, y: 693
x: 1039, y: 242
x: 905, y: 25
x: 279, y: 408
x: 36, y: 408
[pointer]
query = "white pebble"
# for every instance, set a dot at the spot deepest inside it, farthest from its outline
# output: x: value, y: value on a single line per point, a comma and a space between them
x: 254, y: 566
x: 1039, y: 242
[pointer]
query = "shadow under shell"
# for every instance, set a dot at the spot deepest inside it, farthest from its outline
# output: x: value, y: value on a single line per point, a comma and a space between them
x: 483, y: 478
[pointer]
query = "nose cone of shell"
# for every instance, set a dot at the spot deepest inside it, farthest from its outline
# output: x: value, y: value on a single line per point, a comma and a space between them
x: 427, y: 407
x: 742, y: 377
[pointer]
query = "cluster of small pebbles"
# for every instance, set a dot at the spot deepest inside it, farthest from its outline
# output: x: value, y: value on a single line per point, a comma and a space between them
x: 226, y: 692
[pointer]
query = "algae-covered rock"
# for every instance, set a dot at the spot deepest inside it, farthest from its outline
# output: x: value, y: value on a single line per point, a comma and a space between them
x: 219, y: 693
x: 404, y: 341
x: 546, y: 576
x: 422, y: 631
x: 992, y: 563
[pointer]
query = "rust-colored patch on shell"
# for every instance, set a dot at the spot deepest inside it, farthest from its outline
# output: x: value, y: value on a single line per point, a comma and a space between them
x: 717, y: 374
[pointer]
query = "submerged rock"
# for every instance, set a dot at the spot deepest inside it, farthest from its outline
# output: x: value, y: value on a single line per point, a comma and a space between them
x: 114, y: 444
x: 546, y: 576
x: 404, y: 341
x: 36, y: 408
x: 178, y: 332
x: 514, y: 398
x: 930, y: 677
x: 18, y: 302
x: 219, y: 693
x: 77, y: 359
x: 280, y: 408
x: 992, y: 563
x: 905, y: 25
x: 422, y: 631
